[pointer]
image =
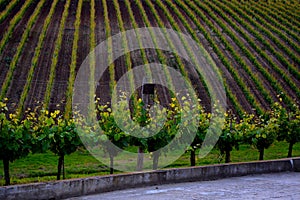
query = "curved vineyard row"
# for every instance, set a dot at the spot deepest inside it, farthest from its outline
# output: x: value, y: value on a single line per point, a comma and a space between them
x: 278, y: 32
x: 12, y: 24
x: 109, y: 45
x: 36, y: 57
x: 286, y: 6
x: 287, y: 21
x: 280, y: 27
x: 256, y: 51
x: 216, y: 49
x: 92, y: 60
x: 278, y: 7
x: 260, y: 67
x: 239, y: 80
x: 138, y: 35
x: 7, y: 10
x: 161, y: 57
x: 124, y: 46
x: 256, y: 34
x: 73, y: 61
x: 236, y: 55
x: 54, y: 59
x: 274, y: 83
x: 178, y: 60
x: 20, y: 48
x: 268, y: 33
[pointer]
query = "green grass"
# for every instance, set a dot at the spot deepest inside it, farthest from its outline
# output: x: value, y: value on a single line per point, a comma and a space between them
x: 43, y: 167
x: 244, y: 154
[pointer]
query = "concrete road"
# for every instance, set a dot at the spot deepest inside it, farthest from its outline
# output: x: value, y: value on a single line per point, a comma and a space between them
x: 265, y: 186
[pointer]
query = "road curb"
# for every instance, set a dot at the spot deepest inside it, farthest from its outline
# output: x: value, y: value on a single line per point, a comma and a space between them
x: 85, y: 186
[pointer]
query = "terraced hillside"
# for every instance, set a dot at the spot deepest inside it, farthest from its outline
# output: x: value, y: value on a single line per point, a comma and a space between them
x: 255, y: 44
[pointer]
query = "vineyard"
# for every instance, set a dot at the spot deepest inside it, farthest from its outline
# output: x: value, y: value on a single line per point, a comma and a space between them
x: 255, y: 45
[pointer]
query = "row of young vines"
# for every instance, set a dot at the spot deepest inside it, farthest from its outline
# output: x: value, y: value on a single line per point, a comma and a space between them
x: 251, y: 57
x: 7, y: 10
x: 20, y: 48
x: 55, y: 55
x: 37, y: 54
x: 277, y: 87
x: 13, y: 23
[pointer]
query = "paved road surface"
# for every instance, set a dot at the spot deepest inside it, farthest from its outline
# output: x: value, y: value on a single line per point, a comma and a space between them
x: 265, y: 186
